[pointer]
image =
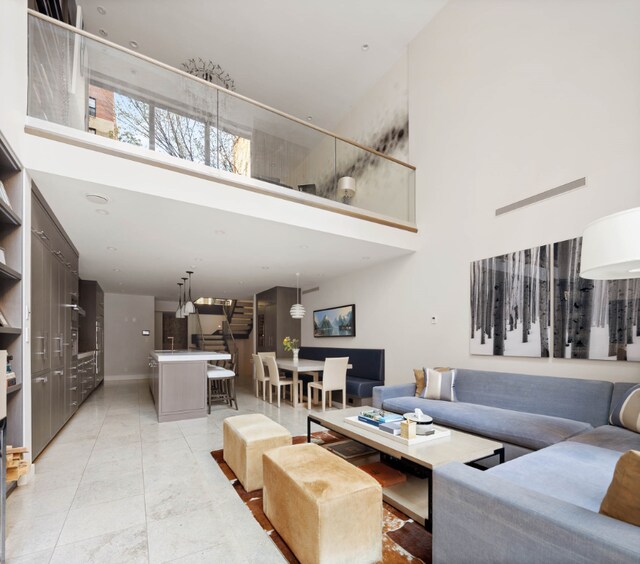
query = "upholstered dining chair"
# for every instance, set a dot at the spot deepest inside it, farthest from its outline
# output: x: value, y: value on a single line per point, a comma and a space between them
x: 334, y: 377
x: 261, y: 377
x: 278, y: 381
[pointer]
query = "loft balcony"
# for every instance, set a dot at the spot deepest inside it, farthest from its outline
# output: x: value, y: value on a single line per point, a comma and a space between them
x: 148, y: 111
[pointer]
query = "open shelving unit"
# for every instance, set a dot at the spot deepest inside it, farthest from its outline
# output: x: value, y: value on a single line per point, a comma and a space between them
x: 11, y: 306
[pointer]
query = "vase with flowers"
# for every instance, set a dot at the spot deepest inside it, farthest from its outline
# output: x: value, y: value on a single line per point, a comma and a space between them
x: 293, y: 346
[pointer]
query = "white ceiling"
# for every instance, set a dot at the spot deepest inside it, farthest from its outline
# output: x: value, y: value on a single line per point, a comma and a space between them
x: 158, y: 239
x: 303, y: 57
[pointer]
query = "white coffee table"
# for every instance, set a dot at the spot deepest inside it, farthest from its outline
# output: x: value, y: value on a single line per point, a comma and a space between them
x: 413, y: 497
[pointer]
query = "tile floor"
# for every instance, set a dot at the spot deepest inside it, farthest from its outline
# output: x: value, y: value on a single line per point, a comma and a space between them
x: 117, y: 486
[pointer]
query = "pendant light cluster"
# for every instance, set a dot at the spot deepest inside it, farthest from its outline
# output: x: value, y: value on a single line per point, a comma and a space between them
x: 297, y: 311
x: 185, y: 307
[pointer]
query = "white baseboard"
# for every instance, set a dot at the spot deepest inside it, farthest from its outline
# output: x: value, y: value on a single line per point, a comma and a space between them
x: 115, y: 377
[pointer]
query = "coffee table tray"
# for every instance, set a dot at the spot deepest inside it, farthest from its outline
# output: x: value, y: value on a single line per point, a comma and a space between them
x: 440, y: 432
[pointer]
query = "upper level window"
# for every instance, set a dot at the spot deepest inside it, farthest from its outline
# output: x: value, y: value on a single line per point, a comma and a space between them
x: 92, y: 107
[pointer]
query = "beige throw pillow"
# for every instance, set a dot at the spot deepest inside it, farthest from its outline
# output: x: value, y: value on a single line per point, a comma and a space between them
x: 419, y: 375
x: 622, y: 500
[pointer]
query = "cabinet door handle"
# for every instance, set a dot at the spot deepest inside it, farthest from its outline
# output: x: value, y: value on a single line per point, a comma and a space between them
x: 73, y: 404
x: 58, y: 372
x: 73, y: 389
x: 41, y: 380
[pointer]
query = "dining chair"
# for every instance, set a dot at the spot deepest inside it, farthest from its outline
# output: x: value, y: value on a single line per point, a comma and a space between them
x: 260, y: 376
x: 334, y: 377
x: 278, y: 381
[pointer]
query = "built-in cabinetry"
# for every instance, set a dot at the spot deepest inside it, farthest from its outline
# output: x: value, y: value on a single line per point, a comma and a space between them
x: 54, y: 326
x: 12, y: 178
x: 92, y: 324
x: 274, y: 321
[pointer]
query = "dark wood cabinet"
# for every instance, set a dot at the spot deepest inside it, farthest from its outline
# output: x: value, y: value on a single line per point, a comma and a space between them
x: 92, y: 324
x: 54, y: 288
x: 274, y: 321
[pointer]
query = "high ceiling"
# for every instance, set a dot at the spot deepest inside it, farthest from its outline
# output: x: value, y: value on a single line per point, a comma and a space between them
x: 304, y: 57
x: 143, y: 244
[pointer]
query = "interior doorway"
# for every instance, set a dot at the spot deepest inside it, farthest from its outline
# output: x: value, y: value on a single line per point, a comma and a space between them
x: 176, y: 329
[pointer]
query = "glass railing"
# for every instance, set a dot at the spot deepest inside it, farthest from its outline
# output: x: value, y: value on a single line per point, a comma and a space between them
x: 89, y: 84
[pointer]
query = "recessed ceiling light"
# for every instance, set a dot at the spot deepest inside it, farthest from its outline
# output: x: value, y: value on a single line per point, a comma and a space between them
x: 309, y: 118
x: 133, y: 44
x: 264, y: 267
x: 219, y: 232
x: 102, y: 212
x: 99, y: 199
x: 304, y: 246
x: 102, y: 32
x: 112, y: 249
x: 365, y: 47
x: 101, y: 10
x: 366, y: 258
x: 116, y: 270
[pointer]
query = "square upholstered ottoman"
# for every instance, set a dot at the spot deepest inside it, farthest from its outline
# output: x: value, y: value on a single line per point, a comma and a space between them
x: 246, y: 438
x: 324, y: 508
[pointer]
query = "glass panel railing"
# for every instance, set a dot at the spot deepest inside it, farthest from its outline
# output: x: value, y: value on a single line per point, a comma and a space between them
x: 89, y: 84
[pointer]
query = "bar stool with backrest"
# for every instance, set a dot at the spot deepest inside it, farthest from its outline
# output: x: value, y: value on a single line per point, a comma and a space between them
x: 334, y: 377
x: 221, y: 385
x: 260, y: 376
x: 278, y: 381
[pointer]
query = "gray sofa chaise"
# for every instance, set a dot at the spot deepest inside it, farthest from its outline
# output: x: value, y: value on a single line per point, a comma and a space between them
x: 542, y: 505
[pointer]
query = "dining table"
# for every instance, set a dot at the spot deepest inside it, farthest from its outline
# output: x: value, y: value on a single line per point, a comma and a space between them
x: 301, y: 366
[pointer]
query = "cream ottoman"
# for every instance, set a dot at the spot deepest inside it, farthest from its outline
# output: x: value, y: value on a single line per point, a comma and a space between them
x: 245, y: 439
x: 324, y: 508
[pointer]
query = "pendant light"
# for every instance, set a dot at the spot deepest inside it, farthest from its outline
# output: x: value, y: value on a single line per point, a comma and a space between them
x: 189, y: 306
x: 179, y: 310
x: 184, y: 300
x: 297, y: 311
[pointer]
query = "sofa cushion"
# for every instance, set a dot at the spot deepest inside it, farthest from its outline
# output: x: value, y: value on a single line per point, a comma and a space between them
x: 576, y: 473
x: 421, y: 380
x: 524, y: 429
x: 440, y: 384
x: 613, y: 438
x: 627, y: 412
x: 572, y: 398
x: 361, y: 387
x: 622, y: 500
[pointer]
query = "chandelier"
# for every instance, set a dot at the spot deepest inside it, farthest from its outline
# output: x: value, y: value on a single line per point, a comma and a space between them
x: 211, y: 72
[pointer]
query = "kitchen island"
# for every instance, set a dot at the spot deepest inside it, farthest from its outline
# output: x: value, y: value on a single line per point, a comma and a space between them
x: 178, y: 383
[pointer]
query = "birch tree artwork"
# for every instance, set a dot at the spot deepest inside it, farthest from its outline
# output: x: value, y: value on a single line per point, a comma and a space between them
x: 594, y: 319
x: 510, y: 304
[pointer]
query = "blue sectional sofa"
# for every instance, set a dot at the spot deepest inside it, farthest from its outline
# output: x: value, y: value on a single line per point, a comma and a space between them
x: 541, y: 506
x: 367, y: 371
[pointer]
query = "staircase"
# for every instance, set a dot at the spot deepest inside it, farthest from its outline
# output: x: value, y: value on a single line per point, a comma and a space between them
x: 241, y: 321
x: 239, y: 325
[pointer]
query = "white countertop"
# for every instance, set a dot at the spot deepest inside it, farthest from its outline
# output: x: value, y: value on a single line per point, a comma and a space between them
x: 187, y: 356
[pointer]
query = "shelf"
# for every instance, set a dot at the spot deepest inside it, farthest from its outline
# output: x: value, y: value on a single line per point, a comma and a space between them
x: 9, y: 273
x: 10, y: 331
x: 7, y: 215
x: 14, y: 388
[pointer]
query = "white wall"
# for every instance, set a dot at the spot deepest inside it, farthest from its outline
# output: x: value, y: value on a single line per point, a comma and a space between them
x: 506, y: 99
x: 126, y: 351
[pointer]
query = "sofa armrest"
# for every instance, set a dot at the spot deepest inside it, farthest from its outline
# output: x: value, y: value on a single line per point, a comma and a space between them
x: 501, y: 522
x: 381, y: 393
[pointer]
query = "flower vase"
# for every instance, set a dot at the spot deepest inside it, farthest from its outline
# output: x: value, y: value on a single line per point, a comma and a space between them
x: 295, y: 354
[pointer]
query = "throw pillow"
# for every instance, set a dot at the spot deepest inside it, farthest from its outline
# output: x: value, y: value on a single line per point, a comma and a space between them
x: 421, y: 383
x: 622, y: 500
x: 440, y: 384
x: 627, y: 412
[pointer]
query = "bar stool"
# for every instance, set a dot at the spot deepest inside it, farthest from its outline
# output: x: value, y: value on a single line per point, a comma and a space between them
x: 221, y: 386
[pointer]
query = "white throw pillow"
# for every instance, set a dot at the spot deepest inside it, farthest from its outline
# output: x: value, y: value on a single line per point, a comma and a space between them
x: 440, y: 384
